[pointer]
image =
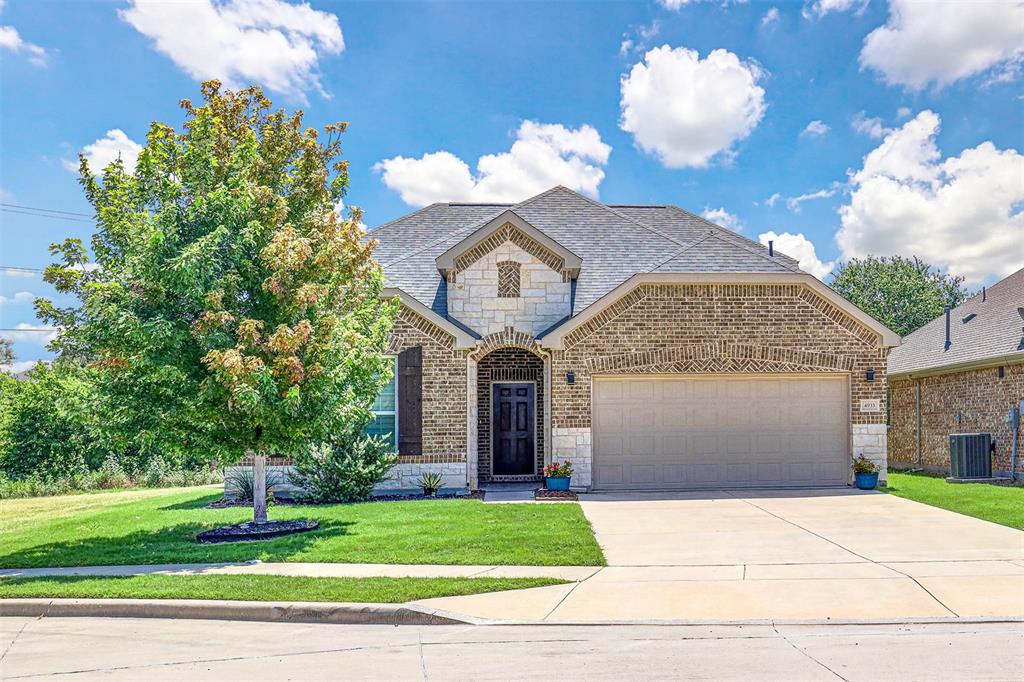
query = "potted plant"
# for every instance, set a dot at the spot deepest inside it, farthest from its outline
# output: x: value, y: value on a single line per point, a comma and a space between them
x: 557, y: 475
x: 865, y: 473
x: 430, y: 482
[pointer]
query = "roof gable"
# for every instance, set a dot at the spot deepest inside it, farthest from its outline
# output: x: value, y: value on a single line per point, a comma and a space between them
x: 508, y: 226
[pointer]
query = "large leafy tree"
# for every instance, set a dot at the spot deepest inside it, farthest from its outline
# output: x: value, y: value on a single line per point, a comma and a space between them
x: 902, y: 293
x: 231, y: 310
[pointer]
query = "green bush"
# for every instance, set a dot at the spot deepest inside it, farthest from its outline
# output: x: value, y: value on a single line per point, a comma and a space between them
x: 343, y: 471
x: 44, y: 428
x: 241, y: 482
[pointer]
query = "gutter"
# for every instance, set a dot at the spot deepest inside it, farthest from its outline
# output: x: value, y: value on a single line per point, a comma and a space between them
x: 984, y: 363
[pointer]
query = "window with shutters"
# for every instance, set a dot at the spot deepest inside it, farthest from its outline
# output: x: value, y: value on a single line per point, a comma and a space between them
x: 508, y: 279
x: 385, y: 410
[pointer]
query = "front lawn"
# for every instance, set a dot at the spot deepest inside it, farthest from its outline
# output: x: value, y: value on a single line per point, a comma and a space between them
x: 997, y: 503
x: 159, y: 526
x: 259, y: 587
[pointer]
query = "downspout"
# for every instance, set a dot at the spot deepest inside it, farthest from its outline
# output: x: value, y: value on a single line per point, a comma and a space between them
x: 917, y: 410
x: 1015, y: 425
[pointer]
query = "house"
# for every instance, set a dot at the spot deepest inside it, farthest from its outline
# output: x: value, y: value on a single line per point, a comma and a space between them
x: 652, y: 348
x: 961, y: 373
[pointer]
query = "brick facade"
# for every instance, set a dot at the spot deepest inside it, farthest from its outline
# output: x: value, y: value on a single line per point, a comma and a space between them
x: 717, y: 328
x: 982, y: 400
x: 444, y: 389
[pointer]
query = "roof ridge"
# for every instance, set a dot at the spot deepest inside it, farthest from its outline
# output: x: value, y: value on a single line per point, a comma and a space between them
x: 449, y: 235
x: 404, y: 217
x: 620, y: 215
x: 738, y: 239
x: 675, y: 255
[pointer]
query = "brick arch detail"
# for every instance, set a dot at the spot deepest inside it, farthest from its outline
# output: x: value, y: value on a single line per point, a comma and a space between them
x: 509, y: 337
x: 721, y: 357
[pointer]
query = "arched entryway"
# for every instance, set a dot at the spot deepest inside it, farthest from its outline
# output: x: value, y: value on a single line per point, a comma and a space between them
x: 510, y: 415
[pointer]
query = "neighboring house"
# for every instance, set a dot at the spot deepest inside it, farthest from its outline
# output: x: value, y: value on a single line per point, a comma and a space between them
x: 964, y: 383
x: 652, y: 348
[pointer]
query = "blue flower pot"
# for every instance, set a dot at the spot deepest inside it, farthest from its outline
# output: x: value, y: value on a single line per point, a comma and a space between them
x: 866, y: 481
x: 560, y: 483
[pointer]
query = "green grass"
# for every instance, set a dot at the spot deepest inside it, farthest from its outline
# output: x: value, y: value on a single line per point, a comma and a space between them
x: 159, y: 526
x: 259, y: 587
x: 997, y: 503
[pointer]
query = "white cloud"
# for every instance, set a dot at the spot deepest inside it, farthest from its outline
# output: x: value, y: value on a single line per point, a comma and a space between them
x: 772, y: 200
x: 675, y: 4
x: 942, y: 42
x: 637, y: 39
x: 625, y: 47
x: 15, y: 272
x: 799, y: 247
x: 32, y: 333
x: 815, y: 129
x: 770, y: 17
x: 20, y: 297
x: 720, y: 216
x: 105, y: 150
x: 542, y: 156
x: 793, y: 203
x: 686, y: 110
x: 267, y: 42
x: 820, y: 8
x: 11, y: 40
x: 962, y: 213
x: 904, y: 112
x: 22, y: 366
x: 872, y: 127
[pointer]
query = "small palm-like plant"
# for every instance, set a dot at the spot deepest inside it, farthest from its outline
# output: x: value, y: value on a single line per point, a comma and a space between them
x: 242, y: 483
x: 430, y: 482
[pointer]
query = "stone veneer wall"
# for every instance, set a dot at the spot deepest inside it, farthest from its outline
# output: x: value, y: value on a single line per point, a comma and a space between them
x: 401, y: 477
x: 544, y: 296
x: 715, y: 328
x: 981, y: 398
x: 506, y: 364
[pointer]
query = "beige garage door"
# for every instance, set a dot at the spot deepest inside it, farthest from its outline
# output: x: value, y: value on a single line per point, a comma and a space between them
x: 720, y: 431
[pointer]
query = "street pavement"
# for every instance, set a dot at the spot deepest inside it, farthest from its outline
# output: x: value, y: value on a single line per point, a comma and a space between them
x: 156, y: 649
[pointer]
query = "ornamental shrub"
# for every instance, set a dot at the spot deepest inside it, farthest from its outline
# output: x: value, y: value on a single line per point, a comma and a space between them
x: 345, y: 470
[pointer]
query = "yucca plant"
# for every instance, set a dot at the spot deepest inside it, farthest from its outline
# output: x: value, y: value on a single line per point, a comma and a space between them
x: 430, y: 482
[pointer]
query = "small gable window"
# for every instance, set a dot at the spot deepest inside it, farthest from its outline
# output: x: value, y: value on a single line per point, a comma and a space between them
x: 508, y: 279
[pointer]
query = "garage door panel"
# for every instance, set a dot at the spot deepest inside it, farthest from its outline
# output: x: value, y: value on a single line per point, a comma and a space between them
x: 720, y: 431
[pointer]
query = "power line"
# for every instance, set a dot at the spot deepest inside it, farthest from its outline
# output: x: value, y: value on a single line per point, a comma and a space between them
x: 45, y: 210
x: 41, y: 215
x: 17, y: 269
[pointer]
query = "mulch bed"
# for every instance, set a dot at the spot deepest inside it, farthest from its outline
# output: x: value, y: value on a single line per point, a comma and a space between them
x: 545, y: 494
x: 250, y: 530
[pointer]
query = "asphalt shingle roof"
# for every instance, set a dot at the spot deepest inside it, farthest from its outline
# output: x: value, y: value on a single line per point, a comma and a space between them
x: 995, y: 331
x: 615, y: 243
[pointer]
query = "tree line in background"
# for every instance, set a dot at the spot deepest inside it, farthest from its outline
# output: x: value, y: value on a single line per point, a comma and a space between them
x: 228, y: 309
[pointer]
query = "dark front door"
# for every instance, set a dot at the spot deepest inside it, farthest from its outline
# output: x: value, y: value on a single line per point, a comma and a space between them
x: 512, y: 422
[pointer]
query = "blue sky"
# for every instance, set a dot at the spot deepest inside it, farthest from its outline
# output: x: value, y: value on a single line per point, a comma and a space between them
x: 877, y: 127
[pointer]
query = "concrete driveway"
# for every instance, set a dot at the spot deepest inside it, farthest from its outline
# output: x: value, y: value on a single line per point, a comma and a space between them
x: 779, y: 555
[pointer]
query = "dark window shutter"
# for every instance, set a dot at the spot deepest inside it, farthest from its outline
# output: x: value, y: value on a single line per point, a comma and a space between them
x: 410, y: 401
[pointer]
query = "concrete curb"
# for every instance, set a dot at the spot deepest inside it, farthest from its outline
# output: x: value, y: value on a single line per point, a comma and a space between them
x: 271, y: 612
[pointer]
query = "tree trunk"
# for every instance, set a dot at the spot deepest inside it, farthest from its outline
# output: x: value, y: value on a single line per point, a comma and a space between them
x: 259, y: 488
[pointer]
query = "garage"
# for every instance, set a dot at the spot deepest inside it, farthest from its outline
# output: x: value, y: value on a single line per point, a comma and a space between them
x: 736, y: 431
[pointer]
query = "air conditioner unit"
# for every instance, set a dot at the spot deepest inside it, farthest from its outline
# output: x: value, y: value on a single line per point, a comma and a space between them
x: 970, y: 455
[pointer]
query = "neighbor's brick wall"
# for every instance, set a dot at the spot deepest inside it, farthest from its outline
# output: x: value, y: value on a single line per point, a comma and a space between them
x: 543, y: 294
x: 712, y: 328
x: 507, y: 364
x: 444, y: 389
x: 981, y: 397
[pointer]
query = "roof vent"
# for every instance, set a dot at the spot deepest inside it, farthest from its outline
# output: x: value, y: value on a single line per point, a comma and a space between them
x: 968, y: 318
x: 983, y: 294
x: 1020, y: 346
x: 771, y: 248
x: 948, y: 342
